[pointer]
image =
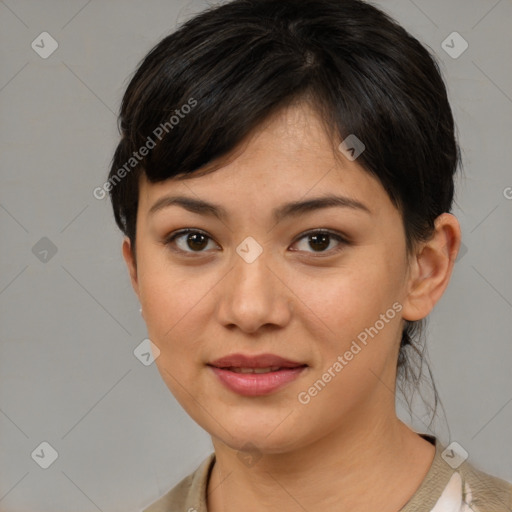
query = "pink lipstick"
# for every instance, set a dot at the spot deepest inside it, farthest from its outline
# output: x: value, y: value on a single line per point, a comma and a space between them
x: 256, y: 375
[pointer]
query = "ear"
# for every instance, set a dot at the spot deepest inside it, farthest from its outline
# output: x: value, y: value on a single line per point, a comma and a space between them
x: 131, y: 264
x: 431, y: 268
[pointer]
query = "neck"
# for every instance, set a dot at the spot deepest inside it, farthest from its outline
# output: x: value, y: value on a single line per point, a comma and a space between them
x: 378, y: 467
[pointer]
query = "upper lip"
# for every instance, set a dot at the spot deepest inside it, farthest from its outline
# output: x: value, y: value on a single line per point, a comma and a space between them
x: 256, y: 361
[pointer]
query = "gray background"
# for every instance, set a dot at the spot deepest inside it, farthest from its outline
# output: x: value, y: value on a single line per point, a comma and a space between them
x: 70, y: 320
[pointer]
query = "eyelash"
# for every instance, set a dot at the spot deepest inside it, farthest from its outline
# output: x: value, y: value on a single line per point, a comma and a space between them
x: 168, y: 241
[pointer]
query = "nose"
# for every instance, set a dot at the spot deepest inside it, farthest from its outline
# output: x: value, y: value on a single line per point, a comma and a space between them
x: 254, y: 295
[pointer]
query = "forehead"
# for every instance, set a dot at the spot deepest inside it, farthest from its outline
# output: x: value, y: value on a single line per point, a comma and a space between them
x: 290, y: 156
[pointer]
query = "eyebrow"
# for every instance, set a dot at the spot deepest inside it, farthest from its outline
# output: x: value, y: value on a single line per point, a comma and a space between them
x: 293, y: 209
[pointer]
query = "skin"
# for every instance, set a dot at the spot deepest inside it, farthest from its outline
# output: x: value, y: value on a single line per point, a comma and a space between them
x: 345, y: 449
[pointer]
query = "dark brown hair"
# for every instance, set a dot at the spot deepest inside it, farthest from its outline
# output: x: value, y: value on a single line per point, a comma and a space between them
x: 239, y: 62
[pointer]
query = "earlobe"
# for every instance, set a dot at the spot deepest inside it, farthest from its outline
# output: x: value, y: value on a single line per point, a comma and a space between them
x: 130, y: 263
x: 431, y: 268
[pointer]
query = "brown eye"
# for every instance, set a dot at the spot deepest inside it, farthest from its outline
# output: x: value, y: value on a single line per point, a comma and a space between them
x: 196, y: 241
x: 319, y: 241
x: 190, y: 241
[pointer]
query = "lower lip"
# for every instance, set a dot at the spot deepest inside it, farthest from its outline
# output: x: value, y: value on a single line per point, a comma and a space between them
x: 257, y: 384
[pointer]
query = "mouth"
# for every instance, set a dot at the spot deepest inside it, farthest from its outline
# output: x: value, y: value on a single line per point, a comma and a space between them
x: 256, y: 375
x: 266, y: 362
x: 253, y: 370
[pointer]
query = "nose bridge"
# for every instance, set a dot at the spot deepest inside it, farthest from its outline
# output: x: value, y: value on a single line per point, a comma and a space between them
x: 250, y: 273
x: 252, y: 296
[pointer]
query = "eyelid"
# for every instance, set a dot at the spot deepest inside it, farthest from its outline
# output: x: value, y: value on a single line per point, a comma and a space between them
x: 340, y: 237
x: 169, y: 239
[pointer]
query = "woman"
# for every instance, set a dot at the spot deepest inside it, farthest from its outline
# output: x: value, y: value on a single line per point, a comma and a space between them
x: 284, y: 181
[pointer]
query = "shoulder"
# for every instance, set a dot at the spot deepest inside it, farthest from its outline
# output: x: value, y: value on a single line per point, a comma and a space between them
x: 189, y: 495
x: 454, y: 484
x: 482, y: 491
x: 465, y: 484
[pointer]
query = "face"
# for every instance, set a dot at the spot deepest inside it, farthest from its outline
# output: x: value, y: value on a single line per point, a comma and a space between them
x: 312, y: 286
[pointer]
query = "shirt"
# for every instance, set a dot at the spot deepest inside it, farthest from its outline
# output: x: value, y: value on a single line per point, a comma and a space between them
x: 451, y: 484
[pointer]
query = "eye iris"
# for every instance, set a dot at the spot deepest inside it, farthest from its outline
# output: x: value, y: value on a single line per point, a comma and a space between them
x: 194, y: 238
x: 198, y: 241
x: 323, y: 237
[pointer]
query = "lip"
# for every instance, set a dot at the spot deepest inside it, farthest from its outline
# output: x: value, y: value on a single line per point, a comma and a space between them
x: 256, y: 361
x: 256, y: 384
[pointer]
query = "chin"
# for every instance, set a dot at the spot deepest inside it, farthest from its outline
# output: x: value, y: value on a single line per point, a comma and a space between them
x: 258, y: 445
x: 258, y: 436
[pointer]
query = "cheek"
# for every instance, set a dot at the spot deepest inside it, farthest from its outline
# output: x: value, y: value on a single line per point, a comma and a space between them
x: 348, y: 298
x: 354, y: 315
x: 171, y: 306
x: 166, y: 292
x: 173, y: 315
